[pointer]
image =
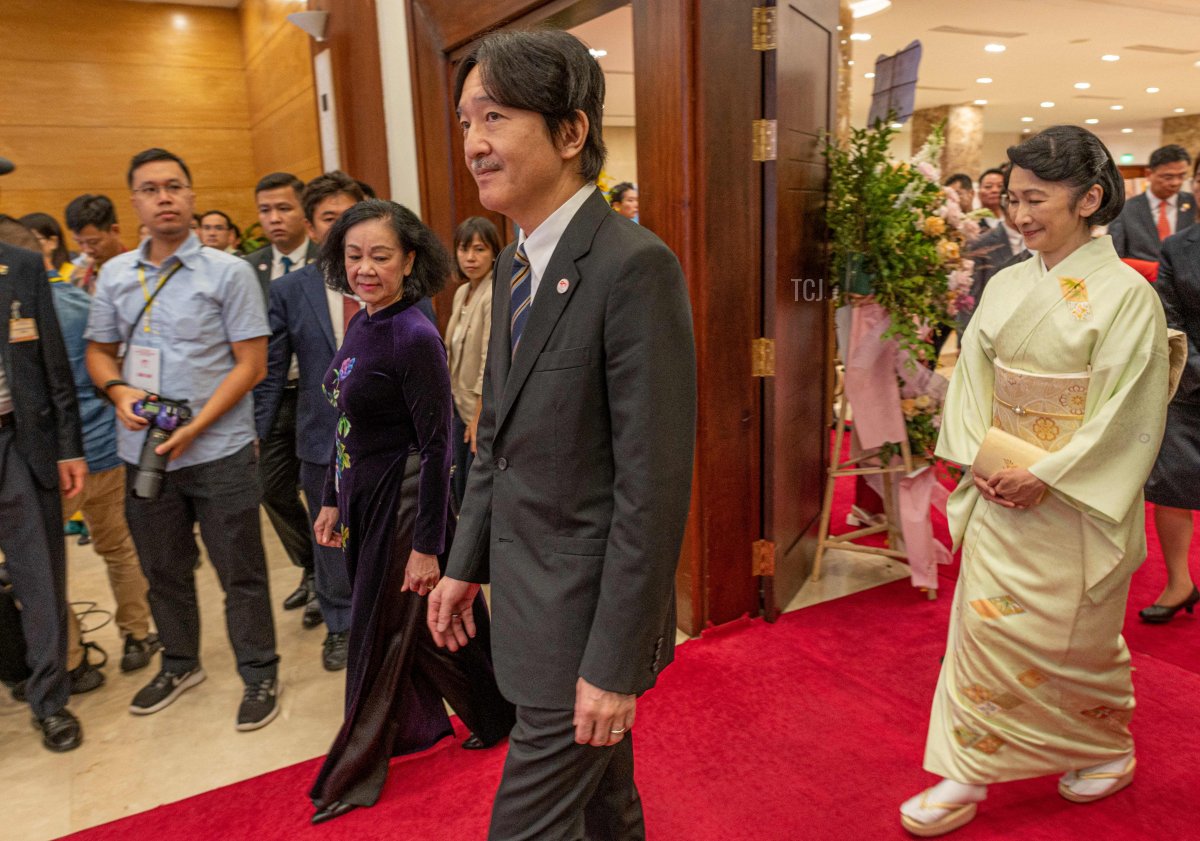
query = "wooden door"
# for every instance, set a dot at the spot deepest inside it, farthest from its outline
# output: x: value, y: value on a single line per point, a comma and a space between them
x: 799, y: 95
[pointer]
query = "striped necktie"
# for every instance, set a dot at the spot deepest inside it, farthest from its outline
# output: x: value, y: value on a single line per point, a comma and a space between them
x: 522, y: 282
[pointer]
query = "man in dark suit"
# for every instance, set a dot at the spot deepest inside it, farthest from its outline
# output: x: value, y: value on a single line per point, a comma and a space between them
x: 577, y: 499
x: 1164, y: 209
x: 996, y: 249
x: 41, y: 451
x: 281, y: 214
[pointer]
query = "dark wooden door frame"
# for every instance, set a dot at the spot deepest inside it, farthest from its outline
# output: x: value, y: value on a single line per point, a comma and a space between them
x: 698, y: 89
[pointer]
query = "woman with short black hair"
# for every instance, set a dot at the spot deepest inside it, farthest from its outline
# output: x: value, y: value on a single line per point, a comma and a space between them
x: 387, y: 505
x: 1057, y: 404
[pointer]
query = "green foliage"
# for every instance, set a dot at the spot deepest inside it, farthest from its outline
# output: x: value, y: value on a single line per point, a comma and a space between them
x: 253, y: 239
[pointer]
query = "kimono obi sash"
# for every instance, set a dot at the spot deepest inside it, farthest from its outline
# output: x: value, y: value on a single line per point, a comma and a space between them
x: 1040, y: 409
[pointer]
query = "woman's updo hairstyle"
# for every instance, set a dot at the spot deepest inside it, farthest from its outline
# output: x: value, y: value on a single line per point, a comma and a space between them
x: 1076, y: 157
x: 431, y: 266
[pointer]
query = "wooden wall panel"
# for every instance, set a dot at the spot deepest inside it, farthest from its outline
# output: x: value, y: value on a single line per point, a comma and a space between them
x: 92, y: 82
x: 281, y: 91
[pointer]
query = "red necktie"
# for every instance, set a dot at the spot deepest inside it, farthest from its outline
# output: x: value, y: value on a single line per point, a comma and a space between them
x: 349, y: 307
x: 1164, y: 224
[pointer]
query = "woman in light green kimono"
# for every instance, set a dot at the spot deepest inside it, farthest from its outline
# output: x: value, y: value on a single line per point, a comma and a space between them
x: 1068, y: 352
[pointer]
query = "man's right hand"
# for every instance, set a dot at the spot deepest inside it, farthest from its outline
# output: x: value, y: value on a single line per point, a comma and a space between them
x: 326, y: 527
x: 450, y: 618
x: 123, y: 397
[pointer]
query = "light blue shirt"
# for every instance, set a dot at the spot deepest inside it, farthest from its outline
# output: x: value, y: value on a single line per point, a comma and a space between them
x: 213, y: 300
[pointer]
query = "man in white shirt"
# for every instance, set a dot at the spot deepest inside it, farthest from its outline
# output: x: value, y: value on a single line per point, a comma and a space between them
x: 1164, y: 209
x: 281, y: 214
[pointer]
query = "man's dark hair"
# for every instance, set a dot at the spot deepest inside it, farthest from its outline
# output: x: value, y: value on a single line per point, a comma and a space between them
x: 236, y: 230
x: 90, y: 209
x: 13, y: 232
x: 149, y: 156
x: 47, y: 226
x: 1172, y: 153
x: 278, y: 180
x: 996, y: 171
x: 367, y: 190
x: 960, y: 181
x: 329, y: 184
x: 467, y: 230
x: 431, y: 265
x: 1074, y: 156
x: 617, y: 193
x: 547, y: 71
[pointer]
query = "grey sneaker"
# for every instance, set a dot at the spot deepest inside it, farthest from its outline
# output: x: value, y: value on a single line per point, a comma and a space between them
x: 161, y: 692
x: 260, y: 704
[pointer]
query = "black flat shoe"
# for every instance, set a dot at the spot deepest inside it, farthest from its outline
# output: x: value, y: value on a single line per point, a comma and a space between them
x: 61, y: 731
x: 334, y: 810
x: 312, y: 615
x: 301, y: 595
x: 473, y: 742
x: 1158, y: 614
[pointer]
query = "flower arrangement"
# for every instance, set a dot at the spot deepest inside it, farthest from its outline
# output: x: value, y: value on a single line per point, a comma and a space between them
x: 898, y: 235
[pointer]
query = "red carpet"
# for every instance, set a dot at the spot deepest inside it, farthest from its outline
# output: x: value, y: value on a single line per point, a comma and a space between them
x: 811, y: 729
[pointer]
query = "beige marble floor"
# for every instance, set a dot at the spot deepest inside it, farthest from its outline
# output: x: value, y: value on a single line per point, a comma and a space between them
x: 129, y: 764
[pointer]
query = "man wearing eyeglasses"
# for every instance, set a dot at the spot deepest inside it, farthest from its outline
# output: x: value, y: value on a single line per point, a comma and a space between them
x: 195, y: 328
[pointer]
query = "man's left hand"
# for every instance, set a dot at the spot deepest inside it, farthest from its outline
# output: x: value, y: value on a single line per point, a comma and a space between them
x: 602, y: 718
x: 71, y: 475
x: 179, y: 441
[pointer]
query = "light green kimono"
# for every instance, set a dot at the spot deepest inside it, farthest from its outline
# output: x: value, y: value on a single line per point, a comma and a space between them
x: 1036, y: 675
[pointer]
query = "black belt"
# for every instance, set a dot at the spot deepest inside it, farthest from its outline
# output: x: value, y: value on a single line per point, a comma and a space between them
x: 8, y: 420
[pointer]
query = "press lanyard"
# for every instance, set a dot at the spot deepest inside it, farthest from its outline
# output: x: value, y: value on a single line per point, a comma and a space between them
x: 151, y: 295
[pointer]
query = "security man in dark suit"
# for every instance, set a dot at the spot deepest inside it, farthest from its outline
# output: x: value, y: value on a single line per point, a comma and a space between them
x: 281, y: 214
x: 41, y: 452
x: 1161, y: 211
x: 576, y: 502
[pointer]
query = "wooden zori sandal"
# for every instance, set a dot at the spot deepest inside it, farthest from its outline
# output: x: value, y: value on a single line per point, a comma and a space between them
x: 957, y: 815
x: 1122, y: 780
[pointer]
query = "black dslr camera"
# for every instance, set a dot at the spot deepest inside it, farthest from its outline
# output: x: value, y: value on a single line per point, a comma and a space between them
x: 165, y: 416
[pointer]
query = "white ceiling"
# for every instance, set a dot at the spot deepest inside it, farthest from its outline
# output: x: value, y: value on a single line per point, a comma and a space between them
x: 1052, y: 44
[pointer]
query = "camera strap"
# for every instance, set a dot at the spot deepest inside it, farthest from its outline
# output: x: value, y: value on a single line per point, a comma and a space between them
x: 150, y: 296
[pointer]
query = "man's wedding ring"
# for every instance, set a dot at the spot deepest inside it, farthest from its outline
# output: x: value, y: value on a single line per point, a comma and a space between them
x: 618, y: 732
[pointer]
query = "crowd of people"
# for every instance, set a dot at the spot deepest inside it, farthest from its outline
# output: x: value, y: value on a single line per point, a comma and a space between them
x: 173, y: 389
x: 544, y: 445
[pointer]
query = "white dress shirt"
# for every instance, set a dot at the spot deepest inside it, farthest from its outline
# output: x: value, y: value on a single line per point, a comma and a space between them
x: 297, y: 257
x: 1016, y: 240
x: 337, y: 314
x: 542, y: 240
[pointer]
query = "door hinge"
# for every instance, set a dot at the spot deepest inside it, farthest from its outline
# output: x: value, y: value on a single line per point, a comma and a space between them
x: 764, y: 557
x: 763, y: 31
x: 762, y: 358
x: 764, y: 145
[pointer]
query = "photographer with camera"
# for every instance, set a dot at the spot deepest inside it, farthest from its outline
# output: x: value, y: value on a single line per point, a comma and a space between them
x: 195, y: 330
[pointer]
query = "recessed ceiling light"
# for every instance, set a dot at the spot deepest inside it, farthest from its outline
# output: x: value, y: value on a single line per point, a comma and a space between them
x: 994, y: 48
x: 1110, y: 57
x: 984, y: 80
x: 1126, y: 131
x: 868, y: 75
x: 1027, y: 119
x: 1082, y: 86
x: 1116, y: 107
x: 850, y: 63
x: 860, y: 36
x: 1091, y: 121
x: 1047, y: 104
x: 598, y: 53
x: 1026, y: 131
x: 1196, y: 64
x: 1151, y: 90
x: 179, y: 21
x: 1180, y: 110
x: 981, y: 102
x: 864, y: 8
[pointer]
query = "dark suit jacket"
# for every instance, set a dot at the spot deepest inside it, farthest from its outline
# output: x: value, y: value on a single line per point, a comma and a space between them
x: 38, y: 372
x: 990, y: 253
x: 1178, y: 287
x: 577, y: 498
x: 298, y: 312
x: 1135, y: 231
x: 262, y: 258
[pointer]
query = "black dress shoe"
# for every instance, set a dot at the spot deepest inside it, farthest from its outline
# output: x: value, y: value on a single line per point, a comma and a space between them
x: 335, y: 652
x: 1158, y: 614
x: 473, y: 742
x: 301, y: 596
x: 334, y: 810
x: 60, y: 732
x: 312, y: 615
